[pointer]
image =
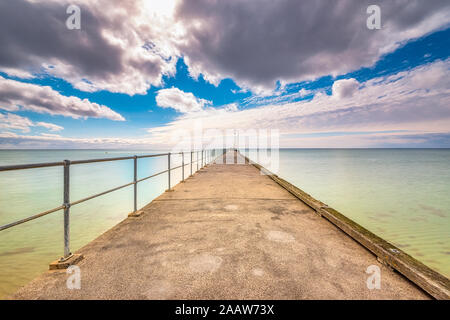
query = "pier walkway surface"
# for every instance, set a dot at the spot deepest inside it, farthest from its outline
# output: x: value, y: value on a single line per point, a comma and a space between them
x: 227, y: 232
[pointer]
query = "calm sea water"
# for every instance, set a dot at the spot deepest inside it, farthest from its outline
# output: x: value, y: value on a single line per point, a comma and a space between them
x: 401, y: 195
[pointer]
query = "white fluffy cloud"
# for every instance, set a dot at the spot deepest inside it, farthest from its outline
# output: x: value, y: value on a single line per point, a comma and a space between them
x: 344, y: 88
x: 50, y: 126
x: 400, y: 104
x: 184, y: 102
x: 396, y: 110
x: 10, y: 121
x: 303, y: 92
x: 45, y: 140
x: 16, y: 95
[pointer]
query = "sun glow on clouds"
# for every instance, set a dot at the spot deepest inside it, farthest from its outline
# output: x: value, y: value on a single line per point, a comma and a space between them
x: 159, y: 7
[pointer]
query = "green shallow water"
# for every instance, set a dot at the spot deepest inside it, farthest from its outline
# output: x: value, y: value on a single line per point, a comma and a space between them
x: 401, y: 195
x: 26, y: 250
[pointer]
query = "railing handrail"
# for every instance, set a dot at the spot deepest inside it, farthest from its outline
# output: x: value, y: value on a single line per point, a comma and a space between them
x: 61, y: 163
x: 67, y: 163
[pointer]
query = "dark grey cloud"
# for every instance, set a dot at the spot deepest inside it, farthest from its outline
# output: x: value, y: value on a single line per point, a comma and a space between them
x: 260, y: 42
x: 106, y: 53
x: 123, y: 47
x: 34, y: 32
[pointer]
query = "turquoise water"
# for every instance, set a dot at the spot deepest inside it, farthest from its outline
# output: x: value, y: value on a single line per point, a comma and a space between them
x: 401, y: 195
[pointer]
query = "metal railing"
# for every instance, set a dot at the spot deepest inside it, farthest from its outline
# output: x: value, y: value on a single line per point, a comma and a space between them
x: 205, y: 156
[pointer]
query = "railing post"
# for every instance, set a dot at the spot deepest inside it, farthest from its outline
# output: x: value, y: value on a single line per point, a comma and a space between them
x: 197, y: 160
x: 191, y: 163
x: 66, y: 199
x: 135, y: 183
x: 168, y: 166
x: 182, y: 166
x: 202, y: 158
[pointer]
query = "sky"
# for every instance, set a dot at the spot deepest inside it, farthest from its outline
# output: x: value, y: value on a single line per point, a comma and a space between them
x: 153, y: 74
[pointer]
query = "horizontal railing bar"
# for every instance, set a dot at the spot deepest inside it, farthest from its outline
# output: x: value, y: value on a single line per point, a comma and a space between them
x: 31, y: 166
x: 77, y: 202
x: 175, y: 167
x: 154, y: 175
x: 6, y: 226
x: 101, y: 160
x: 101, y: 194
x: 153, y: 155
x: 61, y: 163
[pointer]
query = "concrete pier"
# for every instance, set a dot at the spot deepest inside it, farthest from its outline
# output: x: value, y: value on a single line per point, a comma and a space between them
x: 227, y: 232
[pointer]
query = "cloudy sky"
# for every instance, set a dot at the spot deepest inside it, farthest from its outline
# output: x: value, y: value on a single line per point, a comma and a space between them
x: 144, y: 73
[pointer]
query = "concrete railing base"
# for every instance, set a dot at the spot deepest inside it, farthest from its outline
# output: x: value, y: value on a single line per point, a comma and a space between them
x: 59, y: 265
x: 136, y: 214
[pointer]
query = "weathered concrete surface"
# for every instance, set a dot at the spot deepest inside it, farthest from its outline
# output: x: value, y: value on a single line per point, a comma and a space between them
x: 226, y: 233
